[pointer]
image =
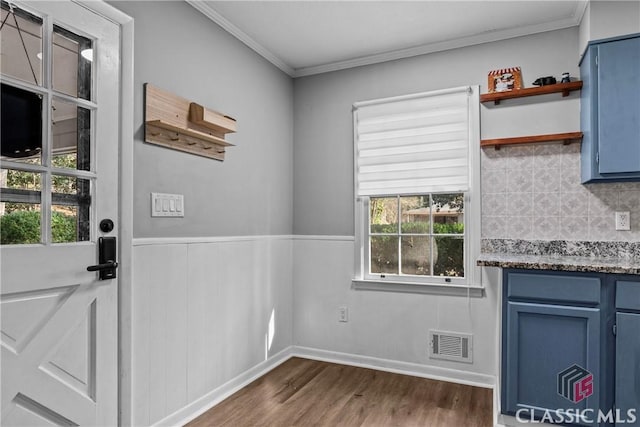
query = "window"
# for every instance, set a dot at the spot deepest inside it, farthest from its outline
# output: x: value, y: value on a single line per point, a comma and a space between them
x: 46, y: 171
x: 417, y: 188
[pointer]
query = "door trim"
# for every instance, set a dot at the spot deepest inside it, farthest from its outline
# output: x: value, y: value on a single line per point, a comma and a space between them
x: 125, y: 179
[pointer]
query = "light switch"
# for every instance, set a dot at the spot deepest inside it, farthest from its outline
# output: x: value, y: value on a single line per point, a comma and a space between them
x: 167, y: 204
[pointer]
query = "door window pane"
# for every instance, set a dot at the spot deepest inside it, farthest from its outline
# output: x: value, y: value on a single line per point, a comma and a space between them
x: 70, y: 210
x: 72, y: 58
x: 21, y: 45
x: 21, y: 129
x: 20, y: 198
x: 71, y: 127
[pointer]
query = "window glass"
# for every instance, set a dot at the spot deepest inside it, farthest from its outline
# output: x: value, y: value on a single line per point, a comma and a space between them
x: 450, y: 256
x: 384, y: 254
x: 427, y: 239
x: 21, y: 130
x: 21, y: 45
x: 71, y: 203
x: 64, y: 139
x: 415, y: 214
x: 416, y: 255
x: 71, y: 127
x: 20, y: 198
x: 384, y: 214
x: 72, y: 58
x: 448, y: 213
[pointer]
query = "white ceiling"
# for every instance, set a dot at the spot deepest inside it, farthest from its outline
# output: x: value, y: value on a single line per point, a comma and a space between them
x: 310, y: 37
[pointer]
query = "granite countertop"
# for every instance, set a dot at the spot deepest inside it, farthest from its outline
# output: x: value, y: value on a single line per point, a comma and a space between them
x: 598, y: 257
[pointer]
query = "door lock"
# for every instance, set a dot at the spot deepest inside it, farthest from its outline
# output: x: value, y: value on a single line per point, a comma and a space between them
x: 106, y: 258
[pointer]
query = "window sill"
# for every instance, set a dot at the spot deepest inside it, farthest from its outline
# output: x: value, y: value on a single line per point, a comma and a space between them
x: 418, y: 288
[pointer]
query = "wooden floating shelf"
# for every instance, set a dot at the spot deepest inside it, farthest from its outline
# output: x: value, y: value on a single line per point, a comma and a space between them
x: 194, y: 134
x: 566, y: 138
x: 176, y: 123
x: 187, y: 140
x: 564, y: 88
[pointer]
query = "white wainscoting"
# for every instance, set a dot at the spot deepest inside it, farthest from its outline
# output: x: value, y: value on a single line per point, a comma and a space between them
x: 205, y: 312
x: 386, y: 325
x: 212, y: 314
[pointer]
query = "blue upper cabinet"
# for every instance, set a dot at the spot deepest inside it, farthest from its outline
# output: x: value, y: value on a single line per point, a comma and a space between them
x: 610, y: 110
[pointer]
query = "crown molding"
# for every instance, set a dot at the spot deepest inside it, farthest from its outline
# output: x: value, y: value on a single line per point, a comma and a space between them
x: 438, y: 47
x: 211, y: 13
x: 472, y: 40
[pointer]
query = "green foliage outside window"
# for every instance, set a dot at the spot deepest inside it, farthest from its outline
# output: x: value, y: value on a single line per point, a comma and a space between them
x: 20, y: 223
x: 23, y: 227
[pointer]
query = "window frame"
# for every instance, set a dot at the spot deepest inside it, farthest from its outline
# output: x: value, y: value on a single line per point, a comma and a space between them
x: 471, y: 281
x: 46, y: 169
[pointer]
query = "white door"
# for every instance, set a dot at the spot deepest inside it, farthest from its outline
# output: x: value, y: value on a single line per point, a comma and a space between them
x: 60, y: 124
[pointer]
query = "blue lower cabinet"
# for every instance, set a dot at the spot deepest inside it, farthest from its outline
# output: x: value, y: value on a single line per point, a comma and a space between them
x: 627, y: 357
x: 551, y: 363
x: 628, y: 368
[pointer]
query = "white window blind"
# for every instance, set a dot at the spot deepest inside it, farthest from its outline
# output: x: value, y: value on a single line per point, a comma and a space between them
x: 413, y: 144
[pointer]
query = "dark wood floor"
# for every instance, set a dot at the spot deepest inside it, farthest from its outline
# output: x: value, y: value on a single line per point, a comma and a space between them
x: 303, y: 392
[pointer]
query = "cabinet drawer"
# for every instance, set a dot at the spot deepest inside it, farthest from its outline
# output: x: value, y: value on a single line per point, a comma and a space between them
x: 628, y: 295
x: 554, y: 288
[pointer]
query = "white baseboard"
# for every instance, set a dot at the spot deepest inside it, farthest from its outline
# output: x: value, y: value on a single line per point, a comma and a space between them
x: 397, y: 367
x: 211, y: 399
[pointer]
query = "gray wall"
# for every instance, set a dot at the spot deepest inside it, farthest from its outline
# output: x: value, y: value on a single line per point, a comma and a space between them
x: 180, y: 50
x: 323, y: 131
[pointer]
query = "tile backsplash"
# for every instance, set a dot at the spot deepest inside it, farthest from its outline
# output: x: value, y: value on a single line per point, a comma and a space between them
x: 533, y: 192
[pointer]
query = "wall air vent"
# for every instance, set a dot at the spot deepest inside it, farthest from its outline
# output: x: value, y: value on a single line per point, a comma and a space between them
x: 450, y: 346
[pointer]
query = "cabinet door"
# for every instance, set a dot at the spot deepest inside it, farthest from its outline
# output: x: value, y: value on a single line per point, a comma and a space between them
x: 618, y: 115
x: 628, y: 366
x: 541, y: 342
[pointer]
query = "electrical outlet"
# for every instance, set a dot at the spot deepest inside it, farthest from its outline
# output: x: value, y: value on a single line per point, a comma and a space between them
x: 343, y: 314
x: 623, y: 221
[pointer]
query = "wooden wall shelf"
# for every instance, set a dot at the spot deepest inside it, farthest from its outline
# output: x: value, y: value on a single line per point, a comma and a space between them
x: 566, y: 138
x: 176, y: 123
x: 564, y: 88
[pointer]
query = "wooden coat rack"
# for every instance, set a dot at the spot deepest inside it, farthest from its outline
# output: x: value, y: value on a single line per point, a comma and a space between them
x: 177, y: 123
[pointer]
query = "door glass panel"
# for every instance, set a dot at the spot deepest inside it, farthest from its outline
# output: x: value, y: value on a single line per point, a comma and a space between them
x: 72, y: 58
x: 70, y: 210
x: 21, y: 45
x: 71, y: 127
x: 21, y: 130
x: 20, y: 198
